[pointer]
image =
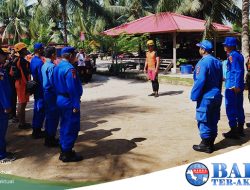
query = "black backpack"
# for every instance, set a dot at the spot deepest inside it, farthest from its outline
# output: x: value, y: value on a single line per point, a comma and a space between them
x: 16, y: 71
x: 31, y: 86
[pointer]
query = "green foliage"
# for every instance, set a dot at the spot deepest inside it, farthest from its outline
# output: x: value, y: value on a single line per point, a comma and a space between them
x: 181, y: 61
x: 43, y: 21
x: 129, y: 43
x: 237, y: 28
x: 14, y: 15
x: 219, y: 11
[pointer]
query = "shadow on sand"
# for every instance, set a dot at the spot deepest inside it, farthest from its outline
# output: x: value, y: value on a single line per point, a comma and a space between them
x: 171, y: 93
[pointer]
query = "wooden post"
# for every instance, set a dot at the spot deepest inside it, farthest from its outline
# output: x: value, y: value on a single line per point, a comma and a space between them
x: 173, y: 70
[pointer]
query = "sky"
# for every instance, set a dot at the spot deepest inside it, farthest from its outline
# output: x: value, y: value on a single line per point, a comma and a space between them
x: 30, y: 1
x: 239, y: 3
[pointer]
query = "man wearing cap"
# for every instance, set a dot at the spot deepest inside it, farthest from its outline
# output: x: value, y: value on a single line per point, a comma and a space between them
x: 152, y: 64
x: 69, y: 91
x: 206, y: 92
x: 234, y: 89
x: 7, y: 66
x: 51, y: 110
x: 5, y: 108
x: 21, y: 73
x: 38, y: 112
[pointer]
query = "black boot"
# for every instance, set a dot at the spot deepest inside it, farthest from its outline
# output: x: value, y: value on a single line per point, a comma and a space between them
x: 9, y: 158
x: 206, y: 145
x: 232, y: 134
x: 38, y: 133
x: 51, y: 141
x: 241, y: 130
x: 70, y: 156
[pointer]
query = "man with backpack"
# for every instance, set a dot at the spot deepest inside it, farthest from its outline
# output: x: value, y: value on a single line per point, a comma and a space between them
x: 21, y: 74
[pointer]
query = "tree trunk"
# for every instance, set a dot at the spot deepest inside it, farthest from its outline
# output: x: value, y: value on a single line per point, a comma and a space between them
x: 245, y: 30
x: 64, y: 18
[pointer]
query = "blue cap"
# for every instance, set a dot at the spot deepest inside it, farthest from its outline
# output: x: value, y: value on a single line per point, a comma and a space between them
x: 206, y: 45
x: 68, y: 49
x: 230, y: 42
x: 38, y: 46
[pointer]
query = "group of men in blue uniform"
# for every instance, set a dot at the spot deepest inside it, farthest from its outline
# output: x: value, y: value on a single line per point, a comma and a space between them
x: 207, y: 88
x: 56, y: 98
x: 59, y: 90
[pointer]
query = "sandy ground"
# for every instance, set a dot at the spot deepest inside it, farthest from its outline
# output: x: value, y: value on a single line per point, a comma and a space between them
x: 124, y: 133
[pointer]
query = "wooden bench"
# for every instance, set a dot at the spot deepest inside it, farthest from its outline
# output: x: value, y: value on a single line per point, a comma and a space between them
x: 166, y: 65
x: 138, y: 63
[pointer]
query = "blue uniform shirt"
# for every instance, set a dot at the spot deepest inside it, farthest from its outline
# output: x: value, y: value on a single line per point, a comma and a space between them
x: 235, y: 70
x: 5, y: 90
x: 207, y: 79
x: 67, y: 84
x: 35, y: 69
x: 47, y: 72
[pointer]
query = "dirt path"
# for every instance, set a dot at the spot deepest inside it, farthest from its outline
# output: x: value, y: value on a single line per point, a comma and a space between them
x: 124, y: 133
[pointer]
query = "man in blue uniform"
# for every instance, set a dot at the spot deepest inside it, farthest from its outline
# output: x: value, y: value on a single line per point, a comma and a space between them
x: 5, y: 108
x: 207, y: 93
x: 234, y: 89
x: 51, y: 110
x: 69, y: 91
x: 38, y: 114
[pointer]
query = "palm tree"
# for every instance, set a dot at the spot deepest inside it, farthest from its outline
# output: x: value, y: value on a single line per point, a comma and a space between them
x: 168, y: 5
x: 86, y: 5
x: 44, y: 25
x: 63, y: 3
x: 212, y: 11
x: 129, y: 10
x: 245, y: 29
x: 14, y: 15
x: 218, y: 10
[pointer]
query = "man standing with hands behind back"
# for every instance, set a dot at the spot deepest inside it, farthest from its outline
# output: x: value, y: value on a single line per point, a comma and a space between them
x: 152, y: 64
x: 69, y: 91
x: 38, y: 112
x: 234, y: 89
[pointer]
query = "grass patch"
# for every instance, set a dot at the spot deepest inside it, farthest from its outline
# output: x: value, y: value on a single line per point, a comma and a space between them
x: 28, y: 183
x: 176, y: 80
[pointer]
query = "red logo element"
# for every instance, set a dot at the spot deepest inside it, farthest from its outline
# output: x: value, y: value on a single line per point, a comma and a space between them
x: 200, y: 171
x: 230, y: 59
x: 73, y: 71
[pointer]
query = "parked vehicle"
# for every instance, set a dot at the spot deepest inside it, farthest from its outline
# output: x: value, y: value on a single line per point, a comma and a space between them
x: 126, y: 55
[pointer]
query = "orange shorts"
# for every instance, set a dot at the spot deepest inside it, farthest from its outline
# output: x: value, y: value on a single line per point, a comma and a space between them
x: 22, y: 96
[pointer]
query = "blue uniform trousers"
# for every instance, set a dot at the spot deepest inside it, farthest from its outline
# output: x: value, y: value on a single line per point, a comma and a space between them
x: 51, y: 114
x: 234, y: 107
x: 69, y: 128
x: 207, y: 116
x: 3, y: 130
x: 38, y: 114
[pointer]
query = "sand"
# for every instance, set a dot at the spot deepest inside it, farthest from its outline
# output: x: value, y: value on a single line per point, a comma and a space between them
x: 124, y: 133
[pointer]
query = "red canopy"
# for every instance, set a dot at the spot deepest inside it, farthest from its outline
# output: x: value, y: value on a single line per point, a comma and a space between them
x: 164, y: 23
